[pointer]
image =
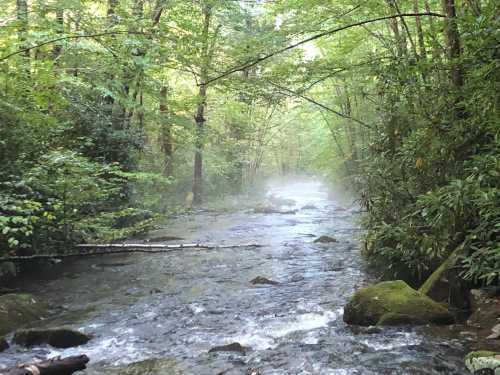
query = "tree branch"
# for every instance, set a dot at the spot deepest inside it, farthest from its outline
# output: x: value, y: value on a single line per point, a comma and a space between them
x: 67, y: 37
x: 310, y: 100
x: 256, y: 61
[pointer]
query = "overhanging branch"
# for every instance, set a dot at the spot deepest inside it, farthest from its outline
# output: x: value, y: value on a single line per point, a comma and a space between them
x: 310, y: 100
x: 256, y: 61
x: 67, y: 37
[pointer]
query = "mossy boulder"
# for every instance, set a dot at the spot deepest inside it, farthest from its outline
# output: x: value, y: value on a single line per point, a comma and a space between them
x: 17, y: 310
x: 483, y: 362
x: 394, y: 303
x: 56, y: 337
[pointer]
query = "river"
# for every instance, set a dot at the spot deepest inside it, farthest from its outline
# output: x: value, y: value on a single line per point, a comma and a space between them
x: 172, y: 308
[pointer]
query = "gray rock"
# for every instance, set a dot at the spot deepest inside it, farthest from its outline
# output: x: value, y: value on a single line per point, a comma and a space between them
x: 296, y: 278
x: 233, y: 347
x: 263, y: 281
x: 309, y: 207
x: 325, y: 239
x: 4, y: 345
x: 8, y: 270
x: 56, y: 337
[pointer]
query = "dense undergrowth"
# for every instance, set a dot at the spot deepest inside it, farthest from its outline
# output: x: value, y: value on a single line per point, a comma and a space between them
x: 431, y: 177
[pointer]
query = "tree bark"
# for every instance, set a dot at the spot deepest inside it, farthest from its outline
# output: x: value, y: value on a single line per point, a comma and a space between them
x: 166, y: 134
x: 22, y: 32
x: 200, y: 111
x: 420, y: 33
x: 56, y: 51
x: 56, y: 366
x: 453, y: 43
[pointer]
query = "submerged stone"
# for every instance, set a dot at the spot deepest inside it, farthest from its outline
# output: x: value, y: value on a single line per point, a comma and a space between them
x: 483, y: 362
x: 17, y: 310
x: 57, y: 337
x: 309, y: 207
x: 154, y: 366
x: 4, y: 345
x: 394, y: 303
x: 233, y: 347
x: 325, y: 239
x: 263, y: 281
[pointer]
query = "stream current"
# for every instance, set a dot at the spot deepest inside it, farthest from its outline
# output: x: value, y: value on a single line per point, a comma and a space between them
x: 170, y: 309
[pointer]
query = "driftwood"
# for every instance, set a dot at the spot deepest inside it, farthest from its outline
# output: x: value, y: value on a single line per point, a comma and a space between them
x: 55, y: 366
x: 120, y: 248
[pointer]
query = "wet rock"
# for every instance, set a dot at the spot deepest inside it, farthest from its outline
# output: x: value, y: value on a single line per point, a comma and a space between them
x: 394, y: 303
x: 325, y: 239
x: 370, y: 330
x: 4, y: 345
x: 279, y: 201
x: 233, y: 347
x: 17, y: 310
x: 271, y: 209
x: 8, y: 270
x: 309, y: 207
x: 483, y: 362
x: 57, y: 337
x: 111, y: 265
x: 163, y: 366
x: 484, y: 320
x: 259, y: 280
x: 495, y: 333
x: 296, y: 278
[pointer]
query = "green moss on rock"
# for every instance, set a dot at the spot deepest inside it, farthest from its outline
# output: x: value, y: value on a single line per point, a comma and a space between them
x: 17, y: 310
x: 483, y: 360
x: 394, y: 303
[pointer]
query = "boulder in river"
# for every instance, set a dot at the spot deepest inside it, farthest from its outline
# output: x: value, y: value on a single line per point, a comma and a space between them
x: 309, y: 207
x: 266, y: 208
x: 394, y: 303
x: 260, y: 280
x: 17, y: 310
x: 233, y: 347
x: 160, y: 366
x: 4, y: 345
x: 325, y: 239
x: 56, y: 337
x: 483, y: 362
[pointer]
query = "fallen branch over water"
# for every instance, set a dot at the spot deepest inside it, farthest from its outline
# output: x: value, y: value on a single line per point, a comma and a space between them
x: 120, y: 248
x: 56, y: 366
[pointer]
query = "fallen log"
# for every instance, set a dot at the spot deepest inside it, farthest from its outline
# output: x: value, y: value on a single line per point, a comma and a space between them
x: 120, y: 248
x: 55, y: 366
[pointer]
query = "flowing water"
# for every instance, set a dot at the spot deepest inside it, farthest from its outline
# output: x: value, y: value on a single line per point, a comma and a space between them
x: 174, y: 307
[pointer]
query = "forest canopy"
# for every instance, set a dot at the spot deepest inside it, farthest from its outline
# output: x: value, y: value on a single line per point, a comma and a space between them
x: 115, y: 114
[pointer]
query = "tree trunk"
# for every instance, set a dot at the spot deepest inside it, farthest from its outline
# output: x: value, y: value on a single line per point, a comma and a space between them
x: 394, y: 26
x: 453, y: 43
x: 198, y: 156
x: 166, y: 134
x: 56, y: 52
x: 420, y: 33
x: 56, y: 366
x: 22, y: 31
x: 200, y: 111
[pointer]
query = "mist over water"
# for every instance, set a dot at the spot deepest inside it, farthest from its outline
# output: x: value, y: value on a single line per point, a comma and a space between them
x: 174, y: 307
